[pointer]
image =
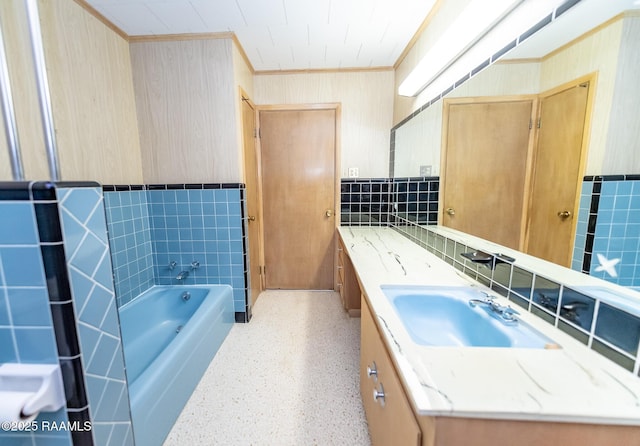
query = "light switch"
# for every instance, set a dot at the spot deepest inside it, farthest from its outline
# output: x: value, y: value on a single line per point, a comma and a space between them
x: 353, y: 172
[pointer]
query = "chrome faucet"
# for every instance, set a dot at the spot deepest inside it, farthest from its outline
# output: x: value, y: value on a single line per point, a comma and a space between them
x: 505, y: 313
x: 486, y: 259
x: 172, y: 265
x: 182, y: 275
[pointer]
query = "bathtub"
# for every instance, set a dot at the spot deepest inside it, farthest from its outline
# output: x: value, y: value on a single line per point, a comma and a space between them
x: 168, y: 341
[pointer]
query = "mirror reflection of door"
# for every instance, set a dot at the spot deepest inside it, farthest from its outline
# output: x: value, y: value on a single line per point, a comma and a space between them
x: 485, y: 162
x: 558, y: 168
x: 298, y: 152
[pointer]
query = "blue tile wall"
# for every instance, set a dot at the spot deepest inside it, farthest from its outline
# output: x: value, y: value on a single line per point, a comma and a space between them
x: 26, y: 326
x: 617, y: 233
x: 609, y: 215
x: 130, y: 243
x: 582, y: 228
x: 202, y: 225
x: 181, y: 223
x: 84, y: 230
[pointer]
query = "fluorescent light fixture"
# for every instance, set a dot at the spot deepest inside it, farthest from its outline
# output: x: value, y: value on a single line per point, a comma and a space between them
x: 471, y: 39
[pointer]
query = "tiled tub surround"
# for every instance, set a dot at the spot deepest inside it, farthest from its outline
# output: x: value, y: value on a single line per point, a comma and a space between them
x: 153, y: 225
x: 57, y: 306
x: 369, y: 202
x: 609, y: 224
x: 571, y: 384
x: 130, y: 241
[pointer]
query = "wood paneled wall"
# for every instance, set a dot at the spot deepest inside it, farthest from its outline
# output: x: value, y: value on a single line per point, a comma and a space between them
x: 599, y: 53
x: 609, y: 51
x: 419, y: 141
x: 186, y: 97
x: 243, y: 75
x: 367, y: 108
x: 17, y: 46
x: 623, y: 136
x: 91, y: 92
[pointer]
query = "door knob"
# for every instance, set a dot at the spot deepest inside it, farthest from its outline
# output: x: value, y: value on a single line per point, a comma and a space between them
x: 564, y: 214
x: 252, y: 218
x: 451, y: 211
x: 328, y: 213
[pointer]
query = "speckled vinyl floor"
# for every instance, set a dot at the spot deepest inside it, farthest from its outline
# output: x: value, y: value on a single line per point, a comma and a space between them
x: 289, y: 377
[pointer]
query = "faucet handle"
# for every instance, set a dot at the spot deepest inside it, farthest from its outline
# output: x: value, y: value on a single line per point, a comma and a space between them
x: 509, y: 314
x: 172, y: 265
x: 195, y: 264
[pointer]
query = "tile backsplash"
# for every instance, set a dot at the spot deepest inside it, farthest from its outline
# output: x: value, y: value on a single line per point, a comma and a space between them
x: 365, y: 202
x: 583, y: 314
x: 369, y: 202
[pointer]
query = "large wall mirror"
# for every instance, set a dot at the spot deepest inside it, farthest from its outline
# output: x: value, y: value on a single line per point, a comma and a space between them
x: 499, y: 144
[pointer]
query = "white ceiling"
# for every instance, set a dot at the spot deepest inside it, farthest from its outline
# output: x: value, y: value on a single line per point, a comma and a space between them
x: 284, y: 34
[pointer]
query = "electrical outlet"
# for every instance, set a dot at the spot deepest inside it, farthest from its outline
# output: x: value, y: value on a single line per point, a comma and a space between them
x: 425, y: 171
x: 353, y: 172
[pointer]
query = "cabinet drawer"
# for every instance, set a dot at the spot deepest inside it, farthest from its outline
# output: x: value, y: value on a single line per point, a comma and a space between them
x: 390, y: 417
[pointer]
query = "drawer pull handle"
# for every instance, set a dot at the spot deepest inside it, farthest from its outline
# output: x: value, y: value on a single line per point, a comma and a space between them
x: 378, y: 395
x: 372, y: 371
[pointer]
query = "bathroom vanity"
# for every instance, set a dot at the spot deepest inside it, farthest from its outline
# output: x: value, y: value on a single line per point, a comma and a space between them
x: 346, y: 281
x: 556, y: 391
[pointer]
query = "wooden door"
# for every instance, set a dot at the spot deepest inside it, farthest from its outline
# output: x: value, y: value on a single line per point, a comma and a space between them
x: 486, y: 146
x: 298, y: 184
x: 556, y: 177
x: 252, y: 182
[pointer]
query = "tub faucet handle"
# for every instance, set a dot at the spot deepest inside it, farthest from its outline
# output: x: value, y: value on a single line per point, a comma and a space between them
x: 195, y: 264
x: 172, y: 265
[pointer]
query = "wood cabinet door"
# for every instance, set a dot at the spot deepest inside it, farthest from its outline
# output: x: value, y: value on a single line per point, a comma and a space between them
x: 391, y: 419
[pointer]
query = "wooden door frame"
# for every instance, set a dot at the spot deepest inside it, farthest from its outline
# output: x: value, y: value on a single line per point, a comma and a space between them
x: 446, y: 104
x: 244, y: 96
x: 592, y: 78
x: 337, y: 107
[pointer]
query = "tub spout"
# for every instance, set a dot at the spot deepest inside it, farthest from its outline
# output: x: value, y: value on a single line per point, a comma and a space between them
x: 182, y: 275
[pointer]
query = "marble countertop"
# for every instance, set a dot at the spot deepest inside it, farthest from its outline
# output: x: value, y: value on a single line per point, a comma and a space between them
x: 571, y: 384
